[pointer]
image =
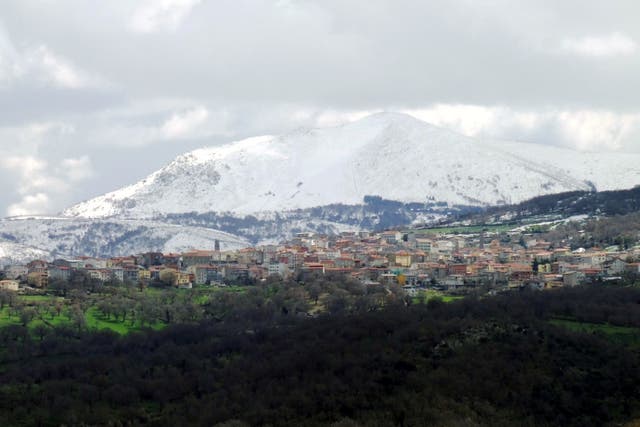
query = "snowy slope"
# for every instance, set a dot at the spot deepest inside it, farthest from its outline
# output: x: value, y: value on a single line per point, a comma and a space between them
x: 29, y: 238
x: 391, y: 155
x: 16, y: 253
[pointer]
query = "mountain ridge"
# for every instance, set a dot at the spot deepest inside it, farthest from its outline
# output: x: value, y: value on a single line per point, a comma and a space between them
x: 391, y: 155
x: 383, y: 171
x: 26, y: 238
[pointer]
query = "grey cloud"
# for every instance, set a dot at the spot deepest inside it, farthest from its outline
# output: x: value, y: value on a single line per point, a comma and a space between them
x: 357, y: 54
x: 26, y: 104
x: 229, y: 69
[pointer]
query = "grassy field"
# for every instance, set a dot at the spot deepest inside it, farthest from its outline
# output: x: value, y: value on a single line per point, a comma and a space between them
x: 6, y: 318
x: 94, y: 319
x: 42, y: 306
x: 237, y: 289
x: 431, y: 294
x: 40, y: 298
x: 620, y: 334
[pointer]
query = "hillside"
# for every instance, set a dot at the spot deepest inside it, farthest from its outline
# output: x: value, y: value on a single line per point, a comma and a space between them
x: 589, y: 203
x: 23, y: 239
x: 394, y: 156
x: 563, y: 358
x: 386, y: 170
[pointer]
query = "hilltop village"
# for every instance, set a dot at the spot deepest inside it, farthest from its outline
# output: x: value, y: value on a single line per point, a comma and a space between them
x: 455, y: 263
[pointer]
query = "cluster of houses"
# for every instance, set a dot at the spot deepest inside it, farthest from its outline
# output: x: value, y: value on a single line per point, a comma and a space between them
x: 456, y: 263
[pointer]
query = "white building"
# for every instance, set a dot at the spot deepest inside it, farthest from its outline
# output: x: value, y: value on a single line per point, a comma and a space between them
x: 9, y: 285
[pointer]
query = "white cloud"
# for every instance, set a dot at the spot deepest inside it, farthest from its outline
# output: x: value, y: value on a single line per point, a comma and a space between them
x: 76, y: 169
x: 478, y: 120
x: 32, y: 183
x: 34, y: 175
x: 161, y: 15
x: 27, y: 165
x: 614, y: 44
x: 10, y: 65
x: 42, y: 65
x: 185, y: 123
x: 592, y: 130
x: 467, y: 119
x: 156, y: 122
x: 30, y: 205
x: 324, y: 118
x: 586, y: 130
x: 57, y: 70
x: 39, y: 184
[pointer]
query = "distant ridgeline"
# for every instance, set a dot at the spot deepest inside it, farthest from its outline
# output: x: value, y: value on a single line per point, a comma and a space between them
x: 606, y: 203
x: 375, y: 214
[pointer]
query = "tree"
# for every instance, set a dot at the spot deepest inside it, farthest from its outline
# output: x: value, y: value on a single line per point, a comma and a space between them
x: 58, y: 308
x: 168, y: 277
x: 78, y: 318
x: 338, y: 303
x: 314, y: 292
x: 59, y: 287
x: 6, y: 298
x: 142, y: 284
x: 149, y: 310
x: 27, y: 314
x: 40, y: 330
x: 106, y: 308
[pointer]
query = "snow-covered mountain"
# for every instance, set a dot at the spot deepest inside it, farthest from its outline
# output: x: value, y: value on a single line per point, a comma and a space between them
x: 385, y: 170
x: 17, y: 253
x: 23, y: 239
x: 391, y: 155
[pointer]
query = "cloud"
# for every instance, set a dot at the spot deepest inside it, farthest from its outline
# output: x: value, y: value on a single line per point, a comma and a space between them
x: 593, y: 130
x: 40, y: 183
x: 614, y: 44
x: 30, y: 170
x: 32, y: 184
x: 136, y: 83
x: 27, y: 165
x: 156, y: 124
x: 161, y: 15
x: 42, y: 65
x: 581, y: 129
x: 334, y: 54
x: 192, y: 127
x: 25, y: 139
x: 185, y: 123
x: 52, y: 68
x: 30, y: 205
x: 76, y: 169
x: 33, y: 175
x: 10, y: 69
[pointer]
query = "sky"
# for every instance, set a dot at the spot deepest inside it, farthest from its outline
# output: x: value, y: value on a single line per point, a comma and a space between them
x: 96, y: 95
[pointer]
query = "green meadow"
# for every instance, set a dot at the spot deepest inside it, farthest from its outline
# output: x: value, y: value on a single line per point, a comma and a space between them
x: 430, y: 294
x: 42, y: 313
x: 619, y: 334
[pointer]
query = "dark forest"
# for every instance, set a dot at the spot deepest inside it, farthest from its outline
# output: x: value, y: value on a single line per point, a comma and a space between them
x: 568, y: 357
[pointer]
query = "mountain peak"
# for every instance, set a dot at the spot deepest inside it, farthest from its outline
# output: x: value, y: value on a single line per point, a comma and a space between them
x: 395, y: 118
x: 392, y: 155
